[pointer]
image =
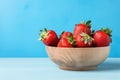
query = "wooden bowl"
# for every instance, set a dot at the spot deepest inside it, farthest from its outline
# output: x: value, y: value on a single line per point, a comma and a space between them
x: 78, y: 58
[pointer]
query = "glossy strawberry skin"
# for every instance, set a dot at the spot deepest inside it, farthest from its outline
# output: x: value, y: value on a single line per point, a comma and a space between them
x: 65, y: 34
x: 79, y: 28
x: 51, y: 39
x: 81, y: 43
x: 101, y: 39
x: 64, y: 43
x: 66, y: 40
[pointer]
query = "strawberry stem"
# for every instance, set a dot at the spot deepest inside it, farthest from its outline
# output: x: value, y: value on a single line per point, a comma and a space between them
x: 71, y: 39
x: 86, y: 38
x: 92, y: 32
x: 43, y: 34
x: 107, y: 31
x: 88, y: 23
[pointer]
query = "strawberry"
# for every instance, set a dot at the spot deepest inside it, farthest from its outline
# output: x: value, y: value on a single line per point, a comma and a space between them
x: 66, y: 41
x: 49, y: 37
x: 102, y: 37
x: 82, y: 27
x: 65, y: 34
x: 84, y: 40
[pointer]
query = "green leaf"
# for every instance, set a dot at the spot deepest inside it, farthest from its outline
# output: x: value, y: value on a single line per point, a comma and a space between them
x: 107, y: 31
x: 43, y: 34
x: 45, y: 29
x: 88, y: 23
x: 41, y: 30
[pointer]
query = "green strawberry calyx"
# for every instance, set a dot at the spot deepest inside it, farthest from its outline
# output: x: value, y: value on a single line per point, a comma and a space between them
x: 71, y: 39
x: 44, y: 33
x: 92, y: 32
x: 86, y: 38
x: 87, y: 23
x: 107, y: 31
x: 61, y: 34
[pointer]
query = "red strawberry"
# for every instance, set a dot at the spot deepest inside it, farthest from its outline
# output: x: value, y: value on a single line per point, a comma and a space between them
x: 82, y: 27
x: 49, y: 37
x: 65, y: 34
x: 67, y: 41
x: 84, y: 40
x: 102, y: 37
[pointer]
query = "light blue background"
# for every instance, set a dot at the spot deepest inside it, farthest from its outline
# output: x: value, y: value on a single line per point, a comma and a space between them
x: 21, y: 20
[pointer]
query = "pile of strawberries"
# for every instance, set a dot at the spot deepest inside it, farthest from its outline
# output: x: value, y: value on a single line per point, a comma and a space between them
x: 83, y: 36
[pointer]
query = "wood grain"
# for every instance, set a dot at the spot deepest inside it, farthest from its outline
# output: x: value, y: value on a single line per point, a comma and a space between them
x: 78, y: 58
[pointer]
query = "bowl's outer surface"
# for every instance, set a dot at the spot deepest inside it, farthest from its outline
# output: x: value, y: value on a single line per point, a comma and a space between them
x: 78, y: 58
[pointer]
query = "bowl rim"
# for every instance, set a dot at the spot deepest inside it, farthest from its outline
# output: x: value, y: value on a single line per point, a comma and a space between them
x: 77, y: 47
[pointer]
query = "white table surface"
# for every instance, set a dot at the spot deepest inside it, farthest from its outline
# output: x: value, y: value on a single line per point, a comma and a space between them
x: 45, y: 69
